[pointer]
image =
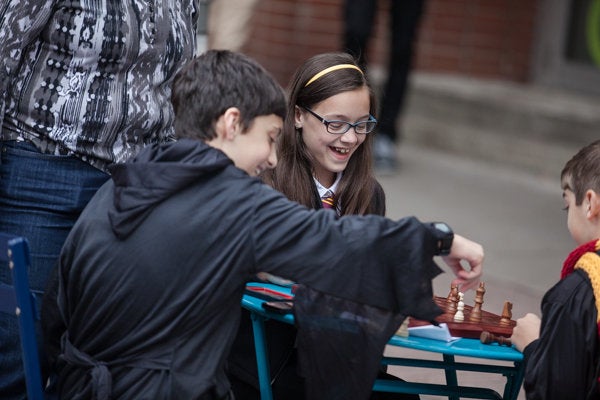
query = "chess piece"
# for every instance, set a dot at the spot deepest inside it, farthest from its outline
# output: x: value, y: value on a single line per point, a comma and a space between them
x: 452, y: 300
x: 475, y: 315
x: 460, y: 316
x: 487, y: 338
x: 403, y: 330
x: 506, y: 313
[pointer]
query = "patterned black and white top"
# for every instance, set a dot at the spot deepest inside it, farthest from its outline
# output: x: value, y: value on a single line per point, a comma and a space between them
x: 92, y: 77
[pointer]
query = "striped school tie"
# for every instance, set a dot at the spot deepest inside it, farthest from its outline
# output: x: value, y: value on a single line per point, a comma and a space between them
x: 327, y: 200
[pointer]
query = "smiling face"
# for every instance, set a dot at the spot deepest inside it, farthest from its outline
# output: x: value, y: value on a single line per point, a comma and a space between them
x: 254, y: 150
x: 331, y: 152
x: 258, y: 145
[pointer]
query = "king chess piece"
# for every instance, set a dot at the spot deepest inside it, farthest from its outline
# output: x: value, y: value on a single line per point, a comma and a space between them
x: 475, y: 315
x: 460, y: 316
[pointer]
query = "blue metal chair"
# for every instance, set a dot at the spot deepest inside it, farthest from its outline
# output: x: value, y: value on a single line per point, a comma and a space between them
x: 17, y: 299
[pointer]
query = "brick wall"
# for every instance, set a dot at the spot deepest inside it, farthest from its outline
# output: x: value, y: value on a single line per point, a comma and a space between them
x: 490, y: 39
x: 480, y: 38
x: 286, y: 32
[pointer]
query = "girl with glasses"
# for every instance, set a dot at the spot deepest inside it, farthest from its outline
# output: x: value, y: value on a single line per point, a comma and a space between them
x: 324, y: 161
x: 325, y: 147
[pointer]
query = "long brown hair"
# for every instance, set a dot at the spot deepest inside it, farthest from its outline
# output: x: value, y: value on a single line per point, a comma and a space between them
x: 293, y: 175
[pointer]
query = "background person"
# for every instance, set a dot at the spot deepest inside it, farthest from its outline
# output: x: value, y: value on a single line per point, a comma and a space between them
x: 79, y: 90
x: 405, y: 16
x: 228, y: 23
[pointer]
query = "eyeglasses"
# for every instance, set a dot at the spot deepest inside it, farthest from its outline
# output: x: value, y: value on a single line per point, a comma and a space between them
x: 340, y: 127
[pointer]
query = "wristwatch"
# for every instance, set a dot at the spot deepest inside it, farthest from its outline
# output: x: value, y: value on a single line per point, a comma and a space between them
x: 444, y: 235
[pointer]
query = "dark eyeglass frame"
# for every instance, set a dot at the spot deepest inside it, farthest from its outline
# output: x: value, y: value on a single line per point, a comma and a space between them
x: 347, y: 124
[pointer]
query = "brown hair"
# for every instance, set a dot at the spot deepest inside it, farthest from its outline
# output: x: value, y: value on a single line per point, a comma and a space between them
x: 293, y: 175
x: 216, y: 80
x: 582, y: 172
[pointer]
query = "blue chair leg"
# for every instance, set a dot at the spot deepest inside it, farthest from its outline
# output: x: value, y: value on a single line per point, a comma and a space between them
x: 262, y: 361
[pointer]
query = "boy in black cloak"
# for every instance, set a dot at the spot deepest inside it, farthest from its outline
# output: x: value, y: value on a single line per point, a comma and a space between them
x: 562, y: 349
x: 146, y: 301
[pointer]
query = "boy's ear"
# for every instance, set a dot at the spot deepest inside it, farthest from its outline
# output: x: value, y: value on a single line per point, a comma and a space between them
x: 231, y: 120
x: 593, y: 200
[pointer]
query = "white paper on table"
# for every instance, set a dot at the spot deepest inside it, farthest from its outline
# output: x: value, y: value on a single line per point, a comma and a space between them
x: 440, y: 332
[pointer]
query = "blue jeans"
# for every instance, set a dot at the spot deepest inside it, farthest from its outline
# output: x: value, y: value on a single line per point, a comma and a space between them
x: 41, y: 197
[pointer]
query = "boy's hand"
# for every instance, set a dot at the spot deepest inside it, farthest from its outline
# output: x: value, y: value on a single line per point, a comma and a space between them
x: 472, y: 253
x: 526, y: 331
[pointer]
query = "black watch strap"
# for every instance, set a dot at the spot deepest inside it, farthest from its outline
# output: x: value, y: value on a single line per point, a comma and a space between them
x: 444, y: 235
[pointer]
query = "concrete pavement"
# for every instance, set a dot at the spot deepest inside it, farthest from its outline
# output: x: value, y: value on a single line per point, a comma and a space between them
x: 517, y: 216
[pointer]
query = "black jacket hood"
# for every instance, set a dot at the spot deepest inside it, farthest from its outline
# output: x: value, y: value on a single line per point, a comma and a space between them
x: 155, y: 174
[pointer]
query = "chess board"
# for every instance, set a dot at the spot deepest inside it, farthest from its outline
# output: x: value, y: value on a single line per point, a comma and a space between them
x: 490, y: 322
x: 281, y: 302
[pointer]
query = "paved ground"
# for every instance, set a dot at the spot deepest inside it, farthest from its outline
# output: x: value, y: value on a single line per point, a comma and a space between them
x: 518, y: 218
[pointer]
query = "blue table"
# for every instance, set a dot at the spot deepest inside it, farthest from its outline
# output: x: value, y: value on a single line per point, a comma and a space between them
x: 513, y: 370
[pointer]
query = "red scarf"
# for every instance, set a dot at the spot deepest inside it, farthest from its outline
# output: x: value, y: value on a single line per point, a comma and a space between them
x: 573, y: 261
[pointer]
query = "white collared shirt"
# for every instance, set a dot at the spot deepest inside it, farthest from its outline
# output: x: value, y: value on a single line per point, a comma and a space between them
x: 323, y: 191
x: 330, y: 191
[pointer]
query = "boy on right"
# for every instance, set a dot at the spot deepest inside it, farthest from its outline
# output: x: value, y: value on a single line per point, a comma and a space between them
x: 562, y: 350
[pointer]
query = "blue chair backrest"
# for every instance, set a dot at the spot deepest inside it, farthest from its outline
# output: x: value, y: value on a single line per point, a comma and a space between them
x: 17, y: 299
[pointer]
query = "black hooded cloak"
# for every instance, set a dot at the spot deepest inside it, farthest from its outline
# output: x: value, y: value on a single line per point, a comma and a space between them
x: 151, y: 276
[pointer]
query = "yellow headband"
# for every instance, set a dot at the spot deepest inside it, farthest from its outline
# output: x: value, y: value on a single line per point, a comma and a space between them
x: 330, y: 69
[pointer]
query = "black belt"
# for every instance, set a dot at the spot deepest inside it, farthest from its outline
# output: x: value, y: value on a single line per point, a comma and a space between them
x: 101, y: 377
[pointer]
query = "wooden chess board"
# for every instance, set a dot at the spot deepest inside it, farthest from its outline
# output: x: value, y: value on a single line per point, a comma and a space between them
x: 280, y: 302
x: 490, y: 322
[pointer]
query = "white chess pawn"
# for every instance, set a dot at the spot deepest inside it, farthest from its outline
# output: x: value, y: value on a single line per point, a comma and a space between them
x: 459, y: 316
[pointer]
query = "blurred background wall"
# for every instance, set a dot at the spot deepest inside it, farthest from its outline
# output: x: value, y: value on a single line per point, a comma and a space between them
x: 511, y: 81
x: 490, y: 38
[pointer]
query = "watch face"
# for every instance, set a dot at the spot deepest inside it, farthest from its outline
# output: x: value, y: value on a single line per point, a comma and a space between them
x: 442, y: 227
